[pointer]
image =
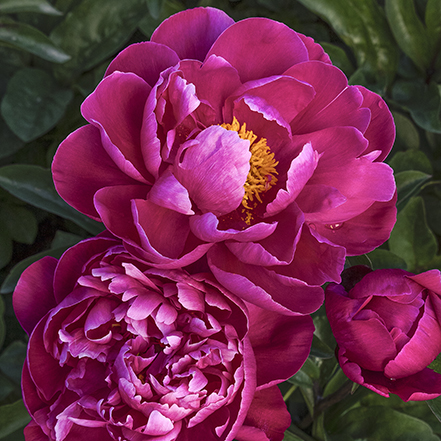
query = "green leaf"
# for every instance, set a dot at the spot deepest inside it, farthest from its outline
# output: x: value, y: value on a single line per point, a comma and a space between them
x: 411, y: 237
x: 12, y: 359
x: 407, y: 134
x: 320, y: 349
x: 34, y: 185
x: 8, y: 141
x: 94, y: 30
x: 435, y: 407
x: 12, y: 417
x: 384, y: 259
x: 433, y: 211
x: 20, y: 223
x: 64, y: 239
x: 362, y: 25
x: 409, y: 32
x: 301, y: 379
x: 381, y: 423
x: 5, y: 246
x: 13, y: 276
x: 30, y: 39
x: 40, y: 6
x: 6, y: 387
x: 409, y: 183
x: 421, y: 100
x: 33, y: 103
x: 2, y: 323
x: 433, y: 21
x: 411, y: 160
x: 338, y: 57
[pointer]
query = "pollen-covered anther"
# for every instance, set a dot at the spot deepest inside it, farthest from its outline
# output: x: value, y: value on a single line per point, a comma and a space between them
x: 261, y: 176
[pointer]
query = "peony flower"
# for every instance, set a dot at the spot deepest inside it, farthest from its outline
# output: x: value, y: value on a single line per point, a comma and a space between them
x: 241, y: 142
x: 388, y: 330
x: 119, y: 350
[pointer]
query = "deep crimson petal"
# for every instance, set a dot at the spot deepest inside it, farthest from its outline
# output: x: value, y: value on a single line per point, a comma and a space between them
x: 115, y: 208
x: 116, y: 107
x: 33, y: 432
x: 146, y: 59
x: 81, y: 167
x: 259, y: 47
x: 161, y: 231
x: 411, y: 359
x: 269, y: 414
x: 28, y: 307
x: 262, y: 287
x: 45, y: 371
x: 429, y: 279
x: 192, y: 32
x: 381, y: 130
x: 71, y: 266
x: 214, y: 169
x: 316, y: 260
x: 281, y: 344
x: 424, y: 385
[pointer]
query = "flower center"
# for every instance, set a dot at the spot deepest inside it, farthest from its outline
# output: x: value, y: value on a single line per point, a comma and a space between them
x: 262, y: 169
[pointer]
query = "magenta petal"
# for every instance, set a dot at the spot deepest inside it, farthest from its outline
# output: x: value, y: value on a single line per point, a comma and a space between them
x: 214, y: 169
x: 145, y: 59
x: 45, y: 371
x: 424, y: 385
x: 191, y: 33
x: 81, y: 167
x: 412, y: 359
x: 381, y: 130
x: 215, y: 81
x: 365, y: 232
x: 299, y: 173
x: 263, y: 287
x: 429, y: 279
x: 281, y: 344
x: 34, y: 294
x: 169, y: 193
x: 319, y: 198
x: 268, y: 414
x: 162, y: 231
x: 114, y: 206
x: 259, y: 47
x: 315, y: 51
x: 116, y: 107
x: 33, y: 432
x: 205, y: 227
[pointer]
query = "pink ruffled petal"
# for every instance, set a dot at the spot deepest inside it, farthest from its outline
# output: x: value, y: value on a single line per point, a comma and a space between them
x: 214, y: 169
x: 116, y: 107
x: 192, y: 32
x: 429, y: 279
x: 33, y: 296
x: 146, y: 59
x: 315, y: 51
x: 259, y: 47
x: 81, y: 167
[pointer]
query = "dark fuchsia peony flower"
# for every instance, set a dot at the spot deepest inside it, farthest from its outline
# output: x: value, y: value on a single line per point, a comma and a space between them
x: 122, y: 351
x: 241, y: 142
x: 388, y: 330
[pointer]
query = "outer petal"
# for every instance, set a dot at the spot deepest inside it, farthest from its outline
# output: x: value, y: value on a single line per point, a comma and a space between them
x: 30, y: 308
x: 81, y: 167
x: 381, y: 130
x: 145, y: 59
x: 214, y: 169
x: 262, y: 287
x: 116, y: 107
x: 412, y: 359
x: 259, y: 47
x: 315, y: 51
x: 33, y: 432
x: 192, y: 32
x: 429, y: 279
x: 281, y: 344
x: 267, y: 417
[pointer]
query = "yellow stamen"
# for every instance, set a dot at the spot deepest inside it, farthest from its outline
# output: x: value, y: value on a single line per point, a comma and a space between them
x: 262, y: 168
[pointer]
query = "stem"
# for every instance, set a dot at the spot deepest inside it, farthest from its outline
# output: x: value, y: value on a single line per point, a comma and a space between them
x: 325, y: 403
x: 289, y: 393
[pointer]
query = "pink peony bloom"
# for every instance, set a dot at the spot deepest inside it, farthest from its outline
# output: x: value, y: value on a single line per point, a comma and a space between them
x: 241, y: 142
x: 119, y: 350
x: 388, y: 330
